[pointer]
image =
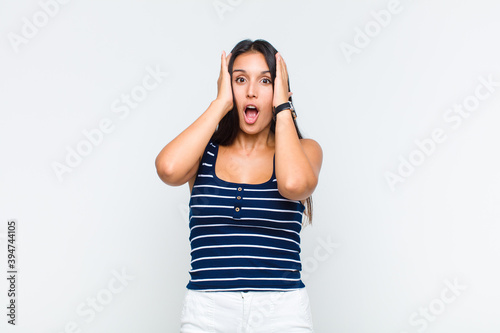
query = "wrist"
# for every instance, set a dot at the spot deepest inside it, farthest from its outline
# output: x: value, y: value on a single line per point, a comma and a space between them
x: 287, y: 113
x: 276, y: 104
x: 224, y: 106
x: 285, y: 107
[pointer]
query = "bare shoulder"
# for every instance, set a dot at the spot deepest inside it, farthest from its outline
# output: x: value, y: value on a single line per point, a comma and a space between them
x: 314, y: 153
x: 312, y: 147
x: 310, y: 143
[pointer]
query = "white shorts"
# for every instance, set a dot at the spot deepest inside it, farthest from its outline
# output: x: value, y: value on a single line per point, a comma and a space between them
x: 246, y: 312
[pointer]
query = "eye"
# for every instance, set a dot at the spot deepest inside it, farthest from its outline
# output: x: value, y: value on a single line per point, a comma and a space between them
x: 240, y: 79
x: 266, y: 80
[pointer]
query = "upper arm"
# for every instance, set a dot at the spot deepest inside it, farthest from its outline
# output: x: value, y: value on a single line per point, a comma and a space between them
x: 178, y: 181
x: 193, y: 173
x: 305, y: 184
x: 314, y: 154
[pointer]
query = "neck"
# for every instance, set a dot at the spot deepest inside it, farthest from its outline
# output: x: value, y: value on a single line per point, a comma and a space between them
x: 249, y: 143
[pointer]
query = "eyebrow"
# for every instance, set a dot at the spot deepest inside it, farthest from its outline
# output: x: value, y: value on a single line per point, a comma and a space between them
x: 244, y: 71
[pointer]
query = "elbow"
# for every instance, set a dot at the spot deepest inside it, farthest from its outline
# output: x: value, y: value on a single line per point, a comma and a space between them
x: 297, y: 189
x: 165, y: 172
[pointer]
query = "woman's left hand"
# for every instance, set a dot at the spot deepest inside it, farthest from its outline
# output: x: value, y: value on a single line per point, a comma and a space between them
x: 281, y: 93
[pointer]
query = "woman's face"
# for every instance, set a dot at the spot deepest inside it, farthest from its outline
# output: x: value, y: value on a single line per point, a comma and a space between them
x: 253, y: 91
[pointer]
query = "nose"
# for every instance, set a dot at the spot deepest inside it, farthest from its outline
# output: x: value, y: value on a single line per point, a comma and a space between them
x: 251, y: 91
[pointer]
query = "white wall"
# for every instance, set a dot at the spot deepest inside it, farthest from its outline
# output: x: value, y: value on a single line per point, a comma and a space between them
x: 392, y: 253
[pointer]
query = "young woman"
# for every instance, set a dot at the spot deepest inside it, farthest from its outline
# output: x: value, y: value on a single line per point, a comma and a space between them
x: 251, y: 175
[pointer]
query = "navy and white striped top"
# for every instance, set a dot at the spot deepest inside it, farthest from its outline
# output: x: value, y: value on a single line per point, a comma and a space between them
x: 243, y: 236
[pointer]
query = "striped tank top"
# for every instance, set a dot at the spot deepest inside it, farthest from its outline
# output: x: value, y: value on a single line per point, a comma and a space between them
x: 244, y: 237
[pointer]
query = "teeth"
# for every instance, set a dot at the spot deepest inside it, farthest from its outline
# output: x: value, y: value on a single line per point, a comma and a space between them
x: 251, y: 107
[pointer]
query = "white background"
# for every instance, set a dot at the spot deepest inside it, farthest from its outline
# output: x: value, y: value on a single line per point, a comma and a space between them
x: 396, y: 250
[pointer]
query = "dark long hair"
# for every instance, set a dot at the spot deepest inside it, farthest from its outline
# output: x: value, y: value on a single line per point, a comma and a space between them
x: 228, y: 127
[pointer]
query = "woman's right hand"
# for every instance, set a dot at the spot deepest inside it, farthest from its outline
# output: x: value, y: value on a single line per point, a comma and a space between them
x: 224, y: 89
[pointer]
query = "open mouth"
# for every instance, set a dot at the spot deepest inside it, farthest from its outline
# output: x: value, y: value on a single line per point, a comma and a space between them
x: 251, y: 114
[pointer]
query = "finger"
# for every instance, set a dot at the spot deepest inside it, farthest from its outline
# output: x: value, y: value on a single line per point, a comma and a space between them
x: 283, y: 61
x: 227, y: 62
x: 285, y: 75
x: 278, y: 65
x: 224, y: 62
x: 281, y: 69
x: 283, y: 65
x: 222, y: 59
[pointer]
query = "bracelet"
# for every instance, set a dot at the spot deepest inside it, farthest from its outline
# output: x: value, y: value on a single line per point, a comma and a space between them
x: 285, y: 106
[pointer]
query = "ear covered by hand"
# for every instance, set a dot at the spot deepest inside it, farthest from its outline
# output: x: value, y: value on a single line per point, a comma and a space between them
x: 224, y: 89
x: 281, y: 93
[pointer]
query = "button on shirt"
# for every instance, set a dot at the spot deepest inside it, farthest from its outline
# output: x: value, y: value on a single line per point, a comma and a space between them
x: 243, y: 236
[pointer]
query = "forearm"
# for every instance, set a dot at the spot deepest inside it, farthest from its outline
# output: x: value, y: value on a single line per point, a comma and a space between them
x: 294, y: 172
x: 179, y: 156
